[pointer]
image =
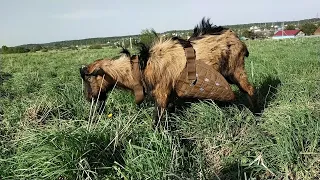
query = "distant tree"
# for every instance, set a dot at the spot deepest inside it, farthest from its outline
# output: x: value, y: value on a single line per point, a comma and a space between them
x: 20, y: 49
x: 57, y: 46
x: 96, y: 46
x: 248, y: 34
x: 73, y: 48
x: 260, y: 35
x: 290, y: 27
x: 147, y: 36
x: 308, y: 28
x: 37, y: 47
x: 50, y: 47
x: 44, y: 50
x: 4, y: 49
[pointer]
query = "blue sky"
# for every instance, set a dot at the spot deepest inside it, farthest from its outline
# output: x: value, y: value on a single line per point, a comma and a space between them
x: 40, y: 21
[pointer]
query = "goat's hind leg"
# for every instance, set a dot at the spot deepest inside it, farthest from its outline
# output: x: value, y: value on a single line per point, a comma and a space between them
x: 241, y: 79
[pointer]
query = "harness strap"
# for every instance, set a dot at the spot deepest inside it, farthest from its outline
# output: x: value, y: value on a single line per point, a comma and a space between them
x: 191, y: 62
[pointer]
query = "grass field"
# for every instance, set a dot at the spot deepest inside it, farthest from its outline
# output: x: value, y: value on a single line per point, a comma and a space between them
x: 45, y: 132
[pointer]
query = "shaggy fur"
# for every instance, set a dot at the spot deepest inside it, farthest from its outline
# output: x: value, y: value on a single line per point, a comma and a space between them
x: 114, y: 72
x: 126, y: 52
x: 144, y: 54
x: 218, y: 47
x: 206, y: 28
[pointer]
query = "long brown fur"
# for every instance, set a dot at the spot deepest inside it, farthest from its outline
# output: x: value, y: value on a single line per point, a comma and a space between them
x: 120, y: 70
x: 223, y: 51
x: 166, y: 62
x: 117, y: 72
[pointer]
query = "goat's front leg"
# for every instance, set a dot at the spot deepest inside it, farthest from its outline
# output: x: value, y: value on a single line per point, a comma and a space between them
x: 241, y: 79
x: 161, y: 96
x: 157, y: 116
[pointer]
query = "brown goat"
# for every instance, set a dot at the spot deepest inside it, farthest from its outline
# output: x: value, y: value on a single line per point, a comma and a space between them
x: 218, y: 47
x: 103, y: 75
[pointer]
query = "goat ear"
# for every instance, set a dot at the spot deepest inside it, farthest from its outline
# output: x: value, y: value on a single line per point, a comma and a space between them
x: 98, y: 72
x: 134, y: 58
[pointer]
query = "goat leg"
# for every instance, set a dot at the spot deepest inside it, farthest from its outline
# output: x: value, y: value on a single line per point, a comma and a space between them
x: 161, y: 96
x: 241, y: 79
x: 157, y: 116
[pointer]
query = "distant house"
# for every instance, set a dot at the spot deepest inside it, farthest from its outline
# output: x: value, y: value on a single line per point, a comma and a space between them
x: 317, y: 32
x: 287, y: 34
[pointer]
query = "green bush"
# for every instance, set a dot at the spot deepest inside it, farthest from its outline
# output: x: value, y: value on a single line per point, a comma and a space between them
x: 44, y: 50
x: 147, y: 36
x: 308, y: 28
x: 96, y: 46
x: 12, y: 50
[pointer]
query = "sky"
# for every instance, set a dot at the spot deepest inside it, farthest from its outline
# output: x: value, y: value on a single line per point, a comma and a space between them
x: 41, y: 21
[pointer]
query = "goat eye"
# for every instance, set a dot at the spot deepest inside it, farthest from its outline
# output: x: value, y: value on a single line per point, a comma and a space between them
x: 89, y: 78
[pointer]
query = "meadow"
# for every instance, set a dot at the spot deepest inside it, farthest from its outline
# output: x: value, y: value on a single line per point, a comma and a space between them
x: 45, y: 132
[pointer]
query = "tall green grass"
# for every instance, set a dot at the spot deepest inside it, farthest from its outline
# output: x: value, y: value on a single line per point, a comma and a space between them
x: 45, y: 131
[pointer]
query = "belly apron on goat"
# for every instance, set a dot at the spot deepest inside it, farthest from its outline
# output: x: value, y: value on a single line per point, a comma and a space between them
x: 201, y: 81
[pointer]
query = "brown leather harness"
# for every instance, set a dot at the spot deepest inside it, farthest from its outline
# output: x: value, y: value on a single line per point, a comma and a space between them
x: 191, y: 63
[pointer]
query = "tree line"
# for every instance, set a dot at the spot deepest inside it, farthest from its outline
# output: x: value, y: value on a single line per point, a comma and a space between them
x: 308, y: 26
